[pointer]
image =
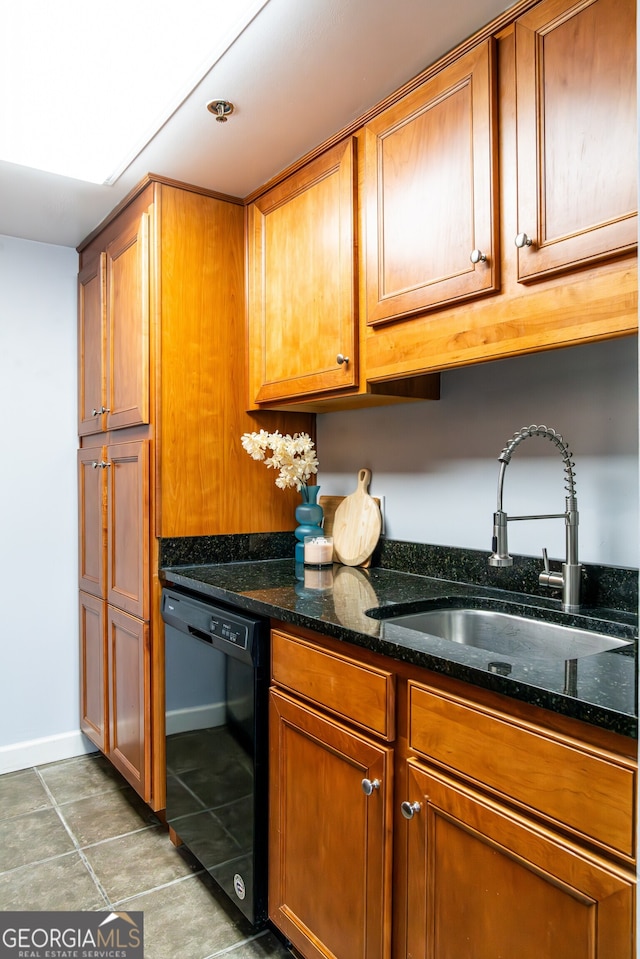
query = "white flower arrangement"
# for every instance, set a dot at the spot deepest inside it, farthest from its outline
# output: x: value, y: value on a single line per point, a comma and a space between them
x: 294, y: 456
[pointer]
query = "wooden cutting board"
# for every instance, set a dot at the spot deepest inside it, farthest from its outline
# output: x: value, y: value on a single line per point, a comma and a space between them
x: 356, y: 524
x: 329, y: 506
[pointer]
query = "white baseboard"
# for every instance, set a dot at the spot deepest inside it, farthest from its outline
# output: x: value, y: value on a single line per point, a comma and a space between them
x: 195, y: 717
x: 48, y: 749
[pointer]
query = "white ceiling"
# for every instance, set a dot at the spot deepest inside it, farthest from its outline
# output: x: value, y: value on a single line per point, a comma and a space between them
x: 300, y: 72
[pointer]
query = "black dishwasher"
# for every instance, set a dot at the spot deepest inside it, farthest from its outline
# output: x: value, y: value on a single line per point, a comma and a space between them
x: 216, y: 665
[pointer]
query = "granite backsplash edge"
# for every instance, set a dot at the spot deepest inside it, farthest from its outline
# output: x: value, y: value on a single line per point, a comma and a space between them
x: 609, y: 587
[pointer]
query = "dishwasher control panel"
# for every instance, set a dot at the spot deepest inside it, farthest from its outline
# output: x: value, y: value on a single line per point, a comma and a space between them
x: 235, y: 632
x: 231, y: 632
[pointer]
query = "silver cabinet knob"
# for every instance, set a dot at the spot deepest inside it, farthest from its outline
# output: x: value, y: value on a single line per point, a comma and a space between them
x: 409, y: 809
x: 103, y: 409
x: 368, y: 785
x: 340, y: 359
x: 522, y: 240
x: 101, y: 466
x: 477, y: 256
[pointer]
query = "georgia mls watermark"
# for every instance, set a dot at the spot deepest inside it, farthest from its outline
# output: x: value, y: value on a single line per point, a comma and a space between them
x: 71, y: 935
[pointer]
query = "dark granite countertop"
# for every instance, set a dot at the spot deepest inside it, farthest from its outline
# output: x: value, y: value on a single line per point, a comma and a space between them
x: 600, y: 690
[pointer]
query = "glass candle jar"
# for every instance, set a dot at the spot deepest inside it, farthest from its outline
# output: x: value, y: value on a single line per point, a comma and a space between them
x: 318, y: 551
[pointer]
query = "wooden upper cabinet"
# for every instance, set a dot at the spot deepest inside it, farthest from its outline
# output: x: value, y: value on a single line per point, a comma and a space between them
x: 302, y: 280
x: 576, y: 132
x: 127, y: 366
x: 91, y: 347
x: 430, y: 192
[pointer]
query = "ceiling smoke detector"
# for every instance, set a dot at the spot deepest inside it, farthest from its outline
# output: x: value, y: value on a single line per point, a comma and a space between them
x: 221, y: 109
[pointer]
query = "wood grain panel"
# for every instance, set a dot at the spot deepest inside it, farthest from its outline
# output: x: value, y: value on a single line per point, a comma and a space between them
x: 302, y: 282
x: 485, y: 882
x: 128, y: 579
x: 92, y: 517
x: 430, y: 190
x: 94, y: 704
x: 330, y: 852
x: 205, y: 482
x: 361, y: 694
x: 577, y: 133
x: 587, y: 791
x: 128, y: 326
x: 129, y: 697
x: 91, y: 346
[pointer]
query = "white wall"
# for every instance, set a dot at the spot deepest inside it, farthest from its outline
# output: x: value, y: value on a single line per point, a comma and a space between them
x: 38, y: 505
x: 436, y: 463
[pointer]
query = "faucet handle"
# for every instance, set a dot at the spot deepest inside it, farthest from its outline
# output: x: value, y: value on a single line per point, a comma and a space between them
x: 547, y: 578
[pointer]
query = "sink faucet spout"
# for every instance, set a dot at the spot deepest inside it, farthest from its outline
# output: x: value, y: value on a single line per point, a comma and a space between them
x: 569, y: 579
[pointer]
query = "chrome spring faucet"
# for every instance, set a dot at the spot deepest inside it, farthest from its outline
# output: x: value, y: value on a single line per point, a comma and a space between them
x: 569, y: 580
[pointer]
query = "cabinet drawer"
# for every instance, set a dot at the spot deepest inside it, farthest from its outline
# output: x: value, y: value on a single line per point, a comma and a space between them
x: 361, y: 694
x: 588, y: 790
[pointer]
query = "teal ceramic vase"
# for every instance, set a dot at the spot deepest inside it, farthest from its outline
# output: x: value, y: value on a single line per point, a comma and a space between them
x: 309, y: 515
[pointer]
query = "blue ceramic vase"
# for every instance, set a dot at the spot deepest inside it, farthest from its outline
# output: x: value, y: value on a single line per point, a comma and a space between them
x: 309, y: 515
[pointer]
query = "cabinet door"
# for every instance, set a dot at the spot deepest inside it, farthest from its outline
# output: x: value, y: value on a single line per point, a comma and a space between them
x: 576, y: 123
x: 302, y: 282
x: 129, y: 699
x: 92, y: 509
x: 485, y: 882
x: 94, y: 709
x: 330, y: 844
x: 430, y: 192
x: 91, y: 348
x: 127, y: 268
x: 128, y: 527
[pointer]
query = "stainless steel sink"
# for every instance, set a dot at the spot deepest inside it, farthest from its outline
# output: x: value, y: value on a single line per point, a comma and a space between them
x: 507, y: 634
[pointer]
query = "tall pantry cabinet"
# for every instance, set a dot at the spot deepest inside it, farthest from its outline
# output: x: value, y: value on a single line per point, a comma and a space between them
x: 161, y: 413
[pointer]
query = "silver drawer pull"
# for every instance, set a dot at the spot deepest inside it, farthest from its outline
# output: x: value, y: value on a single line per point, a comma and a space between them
x: 368, y: 785
x: 523, y: 240
x: 409, y: 809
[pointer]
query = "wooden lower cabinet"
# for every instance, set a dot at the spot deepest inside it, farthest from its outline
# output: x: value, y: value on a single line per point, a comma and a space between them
x: 115, y: 670
x: 509, y: 830
x: 129, y: 664
x: 330, y: 843
x: 93, y: 671
x: 485, y: 882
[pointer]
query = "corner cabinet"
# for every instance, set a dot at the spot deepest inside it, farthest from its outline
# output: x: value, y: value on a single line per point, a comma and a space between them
x: 430, y: 192
x: 512, y: 831
x: 162, y: 387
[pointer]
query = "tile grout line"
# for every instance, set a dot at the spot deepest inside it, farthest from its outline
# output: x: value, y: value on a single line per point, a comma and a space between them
x: 112, y: 904
x: 101, y: 890
x: 228, y: 950
x: 109, y: 904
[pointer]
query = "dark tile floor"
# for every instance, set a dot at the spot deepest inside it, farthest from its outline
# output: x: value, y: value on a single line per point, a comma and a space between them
x: 75, y: 836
